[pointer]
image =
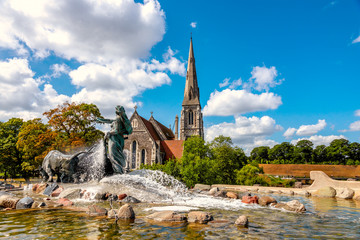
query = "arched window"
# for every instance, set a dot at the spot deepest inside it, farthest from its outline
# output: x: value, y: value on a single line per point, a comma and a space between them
x: 133, y: 155
x: 143, y: 153
x: 191, y: 117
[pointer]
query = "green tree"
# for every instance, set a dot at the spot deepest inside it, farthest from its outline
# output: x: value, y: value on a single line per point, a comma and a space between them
x: 282, y: 153
x: 227, y: 158
x: 196, y: 166
x: 338, y: 152
x: 249, y: 175
x: 10, y: 156
x: 319, y: 155
x: 303, y: 151
x: 35, y: 140
x: 354, y: 152
x: 74, y: 124
x: 260, y: 154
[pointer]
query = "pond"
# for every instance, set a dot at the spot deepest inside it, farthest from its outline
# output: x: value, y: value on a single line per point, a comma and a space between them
x: 325, y: 218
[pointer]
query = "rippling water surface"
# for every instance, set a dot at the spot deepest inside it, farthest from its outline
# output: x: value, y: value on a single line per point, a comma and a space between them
x: 325, y: 218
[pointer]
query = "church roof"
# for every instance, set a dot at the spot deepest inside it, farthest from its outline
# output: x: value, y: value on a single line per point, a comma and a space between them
x: 150, y: 128
x: 168, y: 133
x: 191, y: 92
x: 173, y: 148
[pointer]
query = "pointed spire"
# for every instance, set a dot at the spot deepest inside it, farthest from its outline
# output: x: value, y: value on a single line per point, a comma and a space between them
x: 191, y: 93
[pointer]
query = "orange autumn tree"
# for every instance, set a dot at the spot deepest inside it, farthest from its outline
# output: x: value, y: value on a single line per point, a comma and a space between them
x: 74, y: 125
x: 34, y: 141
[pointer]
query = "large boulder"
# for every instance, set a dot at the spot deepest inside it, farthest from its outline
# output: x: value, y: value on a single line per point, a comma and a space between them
x: 24, y: 203
x: 8, y: 201
x: 100, y: 196
x: 126, y: 212
x: 325, y: 192
x: 242, y: 221
x: 250, y: 199
x: 50, y: 188
x: 232, y: 195
x: 64, y: 202
x: 356, y: 196
x: 57, y: 192
x: 220, y: 193
x: 38, y: 204
x: 199, y: 217
x: 213, y: 191
x: 71, y: 193
x: 122, y: 196
x: 266, y: 200
x: 167, y: 216
x: 202, y: 187
x: 95, y: 210
x: 292, y: 206
x: 303, y: 193
x: 345, y: 193
x: 40, y: 188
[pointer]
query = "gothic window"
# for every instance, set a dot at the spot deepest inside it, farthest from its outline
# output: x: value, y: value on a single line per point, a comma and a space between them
x: 134, y: 123
x: 191, y: 117
x: 143, y: 153
x: 133, y: 155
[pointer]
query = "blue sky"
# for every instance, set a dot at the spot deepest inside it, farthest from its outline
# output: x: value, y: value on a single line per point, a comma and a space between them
x: 268, y: 71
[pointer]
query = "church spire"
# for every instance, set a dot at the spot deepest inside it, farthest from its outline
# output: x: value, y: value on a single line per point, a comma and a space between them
x: 191, y: 93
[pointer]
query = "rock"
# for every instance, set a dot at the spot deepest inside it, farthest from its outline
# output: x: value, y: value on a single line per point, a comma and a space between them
x: 213, y: 191
x: 351, y: 179
x: 24, y: 203
x: 95, y: 210
x: 130, y: 199
x: 71, y: 193
x: 325, y: 192
x: 242, y: 221
x: 41, y: 187
x: 202, y: 187
x: 100, y: 196
x: 199, y: 217
x: 293, y: 206
x: 288, y: 192
x: 298, y: 185
x: 345, y: 193
x: 220, y: 193
x: 266, y: 200
x: 35, y: 186
x: 57, y: 192
x: 114, y: 197
x: 303, y: 193
x: 64, y: 202
x: 112, y: 213
x: 122, y: 196
x: 8, y: 201
x: 250, y: 199
x: 167, y: 216
x: 126, y: 212
x: 356, y: 196
x: 50, y: 188
x: 232, y: 195
x: 37, y: 204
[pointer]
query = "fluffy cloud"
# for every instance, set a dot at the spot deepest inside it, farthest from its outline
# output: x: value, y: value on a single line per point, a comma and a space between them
x: 22, y: 96
x: 357, y: 113
x: 319, y: 140
x: 234, y: 84
x: 85, y: 30
x: 306, y: 130
x: 246, y: 132
x: 354, y: 127
x: 264, y: 78
x: 193, y: 24
x: 356, y: 40
x: 232, y: 102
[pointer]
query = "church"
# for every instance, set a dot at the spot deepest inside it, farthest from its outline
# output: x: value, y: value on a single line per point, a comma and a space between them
x: 152, y: 142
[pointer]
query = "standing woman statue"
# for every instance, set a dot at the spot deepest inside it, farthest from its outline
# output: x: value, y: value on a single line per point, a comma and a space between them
x: 114, y: 139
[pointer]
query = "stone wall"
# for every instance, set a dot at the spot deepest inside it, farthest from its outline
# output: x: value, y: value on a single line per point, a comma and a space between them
x: 301, y: 170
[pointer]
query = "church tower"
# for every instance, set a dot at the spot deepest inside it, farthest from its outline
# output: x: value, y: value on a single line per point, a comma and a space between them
x: 191, y: 122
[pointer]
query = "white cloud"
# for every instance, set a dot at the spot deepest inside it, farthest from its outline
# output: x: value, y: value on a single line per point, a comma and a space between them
x: 246, y: 132
x: 232, y: 102
x: 59, y: 69
x: 224, y: 83
x: 320, y: 140
x: 235, y: 83
x: 307, y: 130
x: 356, y: 40
x: 21, y: 95
x: 357, y: 113
x: 193, y: 24
x: 264, y: 78
x: 354, y: 127
x: 289, y: 132
x: 85, y: 30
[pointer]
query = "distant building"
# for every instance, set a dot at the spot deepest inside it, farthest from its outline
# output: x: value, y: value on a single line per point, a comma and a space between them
x: 152, y: 142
